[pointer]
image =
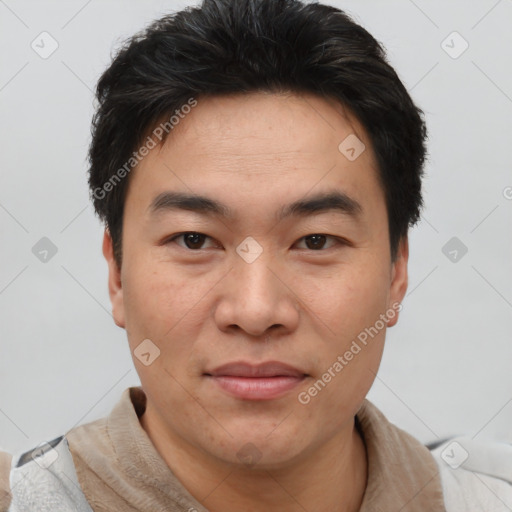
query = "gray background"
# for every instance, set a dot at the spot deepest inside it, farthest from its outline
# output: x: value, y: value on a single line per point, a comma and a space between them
x: 447, y: 364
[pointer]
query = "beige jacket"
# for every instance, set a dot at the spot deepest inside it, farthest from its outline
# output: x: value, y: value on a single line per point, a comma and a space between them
x: 111, y: 465
x: 119, y: 468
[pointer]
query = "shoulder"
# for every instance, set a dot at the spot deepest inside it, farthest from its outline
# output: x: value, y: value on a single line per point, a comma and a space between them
x: 44, y: 479
x: 5, y: 493
x: 475, y: 475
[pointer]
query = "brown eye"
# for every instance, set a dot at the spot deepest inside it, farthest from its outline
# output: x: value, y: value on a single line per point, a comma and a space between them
x: 191, y: 240
x: 194, y: 240
x: 316, y: 242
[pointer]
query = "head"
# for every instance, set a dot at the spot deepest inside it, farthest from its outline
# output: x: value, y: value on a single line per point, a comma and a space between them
x: 257, y: 165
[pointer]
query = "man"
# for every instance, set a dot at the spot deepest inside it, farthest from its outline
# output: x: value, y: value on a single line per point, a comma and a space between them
x: 257, y: 165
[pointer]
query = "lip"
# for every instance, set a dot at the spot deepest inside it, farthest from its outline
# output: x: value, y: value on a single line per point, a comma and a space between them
x: 264, y: 381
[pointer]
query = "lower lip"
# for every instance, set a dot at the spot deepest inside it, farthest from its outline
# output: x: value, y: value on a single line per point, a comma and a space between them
x: 257, y: 388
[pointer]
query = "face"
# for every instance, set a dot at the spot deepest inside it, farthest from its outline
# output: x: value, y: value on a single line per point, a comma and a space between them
x: 254, y: 310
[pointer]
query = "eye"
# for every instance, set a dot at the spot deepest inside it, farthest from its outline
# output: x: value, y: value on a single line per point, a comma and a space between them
x: 317, y: 241
x: 191, y: 239
x: 194, y: 241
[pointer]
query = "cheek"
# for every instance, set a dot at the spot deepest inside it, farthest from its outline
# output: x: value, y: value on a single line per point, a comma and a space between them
x: 151, y: 293
x: 353, y: 331
x: 347, y: 371
x: 165, y: 306
x: 349, y: 301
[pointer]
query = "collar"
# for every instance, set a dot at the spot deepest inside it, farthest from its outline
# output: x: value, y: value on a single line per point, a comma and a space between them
x: 402, y: 473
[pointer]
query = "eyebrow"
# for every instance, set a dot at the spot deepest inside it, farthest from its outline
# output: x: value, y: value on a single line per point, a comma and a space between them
x: 319, y: 203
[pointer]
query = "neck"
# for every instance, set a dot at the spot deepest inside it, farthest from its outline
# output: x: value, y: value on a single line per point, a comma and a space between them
x: 331, y: 478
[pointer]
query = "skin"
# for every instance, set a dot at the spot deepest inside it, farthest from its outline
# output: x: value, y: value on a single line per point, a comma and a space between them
x: 294, y: 304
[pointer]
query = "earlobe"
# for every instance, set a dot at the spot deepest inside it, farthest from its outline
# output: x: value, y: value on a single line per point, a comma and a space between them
x: 399, y: 279
x: 115, y: 288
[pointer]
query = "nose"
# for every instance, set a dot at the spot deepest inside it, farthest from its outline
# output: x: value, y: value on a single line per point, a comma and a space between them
x: 257, y: 299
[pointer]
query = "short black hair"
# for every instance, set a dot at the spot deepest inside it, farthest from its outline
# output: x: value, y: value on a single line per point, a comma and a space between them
x: 225, y: 47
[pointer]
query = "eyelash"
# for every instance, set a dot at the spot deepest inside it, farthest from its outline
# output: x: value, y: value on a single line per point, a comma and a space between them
x: 338, y: 241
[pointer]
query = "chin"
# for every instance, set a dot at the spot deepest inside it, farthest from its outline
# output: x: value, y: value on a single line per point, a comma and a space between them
x: 254, y: 448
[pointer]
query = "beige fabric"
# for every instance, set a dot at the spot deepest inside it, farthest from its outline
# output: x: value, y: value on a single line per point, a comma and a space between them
x: 402, y: 474
x: 119, y: 468
x: 5, y: 467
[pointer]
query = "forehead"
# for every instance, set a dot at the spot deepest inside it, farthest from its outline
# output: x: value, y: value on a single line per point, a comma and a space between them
x: 266, y: 123
x: 260, y: 145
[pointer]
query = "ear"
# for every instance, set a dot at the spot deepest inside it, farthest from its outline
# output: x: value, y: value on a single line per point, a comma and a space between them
x: 115, y: 288
x: 399, y: 278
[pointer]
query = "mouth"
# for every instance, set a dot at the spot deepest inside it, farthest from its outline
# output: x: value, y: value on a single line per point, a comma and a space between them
x: 265, y: 381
